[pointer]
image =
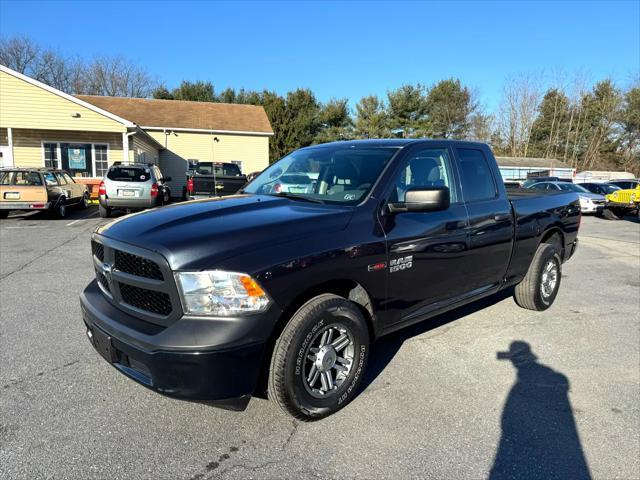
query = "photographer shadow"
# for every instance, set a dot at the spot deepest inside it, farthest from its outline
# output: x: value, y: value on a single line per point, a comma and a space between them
x: 539, y: 435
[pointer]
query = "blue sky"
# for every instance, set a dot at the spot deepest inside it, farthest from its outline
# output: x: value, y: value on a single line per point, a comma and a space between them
x: 343, y: 49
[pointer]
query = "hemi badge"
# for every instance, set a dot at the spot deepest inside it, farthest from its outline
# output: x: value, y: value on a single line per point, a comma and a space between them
x: 377, y: 266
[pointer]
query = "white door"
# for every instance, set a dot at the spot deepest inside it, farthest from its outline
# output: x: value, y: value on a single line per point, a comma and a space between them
x: 6, y: 157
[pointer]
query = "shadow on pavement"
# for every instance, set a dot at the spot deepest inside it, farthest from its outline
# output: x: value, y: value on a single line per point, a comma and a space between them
x: 539, y: 436
x: 383, y: 351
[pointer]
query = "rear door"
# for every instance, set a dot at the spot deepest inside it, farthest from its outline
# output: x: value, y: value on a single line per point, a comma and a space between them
x: 426, y: 250
x: 490, y: 227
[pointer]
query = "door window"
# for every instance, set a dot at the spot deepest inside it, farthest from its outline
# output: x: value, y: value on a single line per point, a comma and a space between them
x: 68, y: 178
x: 477, y: 177
x: 61, y: 179
x: 430, y: 167
x: 50, y: 179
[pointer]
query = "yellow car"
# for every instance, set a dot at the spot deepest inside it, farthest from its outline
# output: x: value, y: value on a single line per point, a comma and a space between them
x: 622, y: 202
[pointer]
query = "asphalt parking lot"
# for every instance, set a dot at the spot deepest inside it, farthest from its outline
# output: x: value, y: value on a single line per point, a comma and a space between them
x: 437, y: 403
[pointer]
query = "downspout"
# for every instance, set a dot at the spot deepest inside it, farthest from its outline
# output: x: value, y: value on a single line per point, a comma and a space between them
x: 125, y: 146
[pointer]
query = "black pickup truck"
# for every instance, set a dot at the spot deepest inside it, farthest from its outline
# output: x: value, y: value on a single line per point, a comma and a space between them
x: 217, y: 299
x: 212, y: 179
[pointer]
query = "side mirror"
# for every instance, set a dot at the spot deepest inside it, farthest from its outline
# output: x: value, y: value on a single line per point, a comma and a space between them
x: 425, y: 199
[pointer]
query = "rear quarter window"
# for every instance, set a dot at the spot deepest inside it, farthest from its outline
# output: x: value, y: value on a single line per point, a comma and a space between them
x: 477, y: 178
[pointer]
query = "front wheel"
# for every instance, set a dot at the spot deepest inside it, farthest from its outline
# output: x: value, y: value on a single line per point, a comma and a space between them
x: 539, y: 288
x: 319, y: 360
x: 612, y: 213
x: 84, y: 203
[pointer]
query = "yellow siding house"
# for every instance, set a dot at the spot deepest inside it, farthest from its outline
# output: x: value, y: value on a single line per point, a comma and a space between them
x: 44, y: 127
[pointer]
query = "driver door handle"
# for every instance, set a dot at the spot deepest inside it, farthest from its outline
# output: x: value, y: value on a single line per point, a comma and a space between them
x: 501, y: 217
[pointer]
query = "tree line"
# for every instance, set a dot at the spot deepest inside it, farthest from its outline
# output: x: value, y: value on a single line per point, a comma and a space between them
x: 591, y: 126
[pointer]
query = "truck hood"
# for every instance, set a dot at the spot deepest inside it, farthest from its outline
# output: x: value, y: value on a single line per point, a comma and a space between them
x: 195, y: 235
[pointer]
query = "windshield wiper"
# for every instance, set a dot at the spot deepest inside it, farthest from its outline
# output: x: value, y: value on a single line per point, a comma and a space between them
x: 293, y: 196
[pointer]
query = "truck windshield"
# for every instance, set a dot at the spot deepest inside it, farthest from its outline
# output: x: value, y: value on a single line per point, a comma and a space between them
x: 338, y: 174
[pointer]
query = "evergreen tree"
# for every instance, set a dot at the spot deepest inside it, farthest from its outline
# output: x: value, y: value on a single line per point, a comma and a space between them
x: 371, y: 118
x: 448, y: 106
x: 407, y: 110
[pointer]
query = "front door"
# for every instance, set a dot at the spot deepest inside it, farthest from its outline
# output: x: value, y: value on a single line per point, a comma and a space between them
x: 76, y: 159
x: 490, y: 221
x: 426, y: 250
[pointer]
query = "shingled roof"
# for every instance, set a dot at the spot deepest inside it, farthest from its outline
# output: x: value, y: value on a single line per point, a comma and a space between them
x: 153, y: 113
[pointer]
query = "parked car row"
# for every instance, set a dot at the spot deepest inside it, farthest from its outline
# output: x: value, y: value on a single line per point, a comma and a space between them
x: 132, y: 186
x: 613, y: 199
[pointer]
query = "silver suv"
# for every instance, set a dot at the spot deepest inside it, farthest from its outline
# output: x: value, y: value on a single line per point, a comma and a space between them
x: 133, y: 186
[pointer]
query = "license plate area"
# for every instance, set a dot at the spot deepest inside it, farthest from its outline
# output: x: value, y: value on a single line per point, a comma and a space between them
x: 12, y: 196
x: 127, y: 193
x: 102, y: 343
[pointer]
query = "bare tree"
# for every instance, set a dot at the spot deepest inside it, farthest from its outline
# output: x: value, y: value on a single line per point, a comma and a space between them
x: 20, y: 54
x: 518, y: 110
x: 116, y: 77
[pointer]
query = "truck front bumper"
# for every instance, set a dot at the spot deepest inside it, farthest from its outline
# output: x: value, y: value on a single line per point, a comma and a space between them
x: 172, y: 360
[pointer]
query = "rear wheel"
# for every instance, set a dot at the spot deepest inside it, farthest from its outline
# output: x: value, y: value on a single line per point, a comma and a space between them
x: 539, y: 288
x: 105, y: 212
x: 60, y: 208
x: 319, y: 360
x: 84, y: 203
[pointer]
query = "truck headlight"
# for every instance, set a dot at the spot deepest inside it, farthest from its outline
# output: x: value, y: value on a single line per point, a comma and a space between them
x: 218, y: 293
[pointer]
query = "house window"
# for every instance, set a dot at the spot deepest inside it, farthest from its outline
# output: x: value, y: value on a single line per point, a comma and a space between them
x: 102, y: 162
x: 50, y: 155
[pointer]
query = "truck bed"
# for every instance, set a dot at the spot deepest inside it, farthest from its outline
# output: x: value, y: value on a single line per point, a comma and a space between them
x: 538, y: 211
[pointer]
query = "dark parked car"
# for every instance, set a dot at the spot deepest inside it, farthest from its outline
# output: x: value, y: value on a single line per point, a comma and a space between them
x: 600, y: 188
x: 624, y: 184
x: 40, y: 189
x: 531, y: 180
x: 201, y: 299
x: 212, y: 179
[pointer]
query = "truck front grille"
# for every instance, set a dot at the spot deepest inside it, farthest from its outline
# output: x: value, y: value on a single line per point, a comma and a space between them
x: 135, y: 265
x: 103, y: 281
x: 149, y: 300
x: 136, y: 280
x: 98, y: 250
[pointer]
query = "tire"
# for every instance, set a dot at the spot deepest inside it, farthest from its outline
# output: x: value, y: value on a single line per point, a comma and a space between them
x: 105, y: 212
x: 84, y: 203
x: 291, y: 386
x: 60, y: 209
x: 611, y: 214
x: 4, y: 214
x: 539, y: 288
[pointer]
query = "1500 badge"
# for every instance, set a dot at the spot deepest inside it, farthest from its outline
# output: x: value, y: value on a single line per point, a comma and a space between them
x: 402, y: 263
